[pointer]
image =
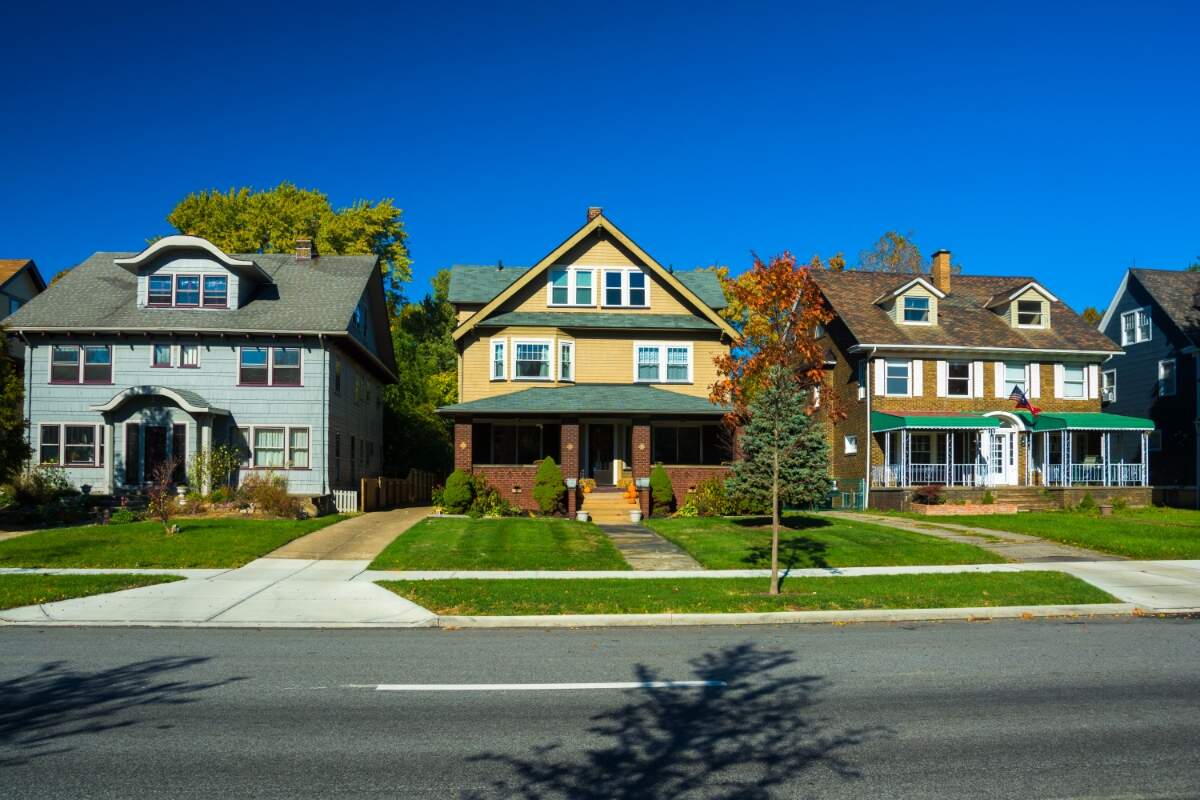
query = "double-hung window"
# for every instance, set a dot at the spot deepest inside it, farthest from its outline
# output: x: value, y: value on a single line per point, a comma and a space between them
x: 1029, y: 313
x: 916, y: 309
x: 71, y: 445
x: 97, y: 364
x: 566, y: 361
x: 160, y: 291
x: 896, y: 378
x: 275, y: 447
x: 64, y: 363
x: 1108, y: 385
x: 626, y: 287
x: 532, y: 362
x: 285, y: 366
x: 216, y: 291
x: 499, y: 359
x: 270, y: 449
x: 1014, y: 378
x: 662, y: 362
x: 958, y: 379
x: 160, y: 355
x: 89, y: 363
x: 571, y: 286
x: 1074, y: 382
x: 1135, y: 326
x: 269, y: 366
x: 1166, y: 378
x: 254, y: 367
x: 189, y: 356
x: 187, y: 290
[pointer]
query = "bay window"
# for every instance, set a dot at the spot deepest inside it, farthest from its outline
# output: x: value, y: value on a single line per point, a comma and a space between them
x: 532, y: 362
x: 566, y: 361
x: 662, y: 362
x: 498, y: 359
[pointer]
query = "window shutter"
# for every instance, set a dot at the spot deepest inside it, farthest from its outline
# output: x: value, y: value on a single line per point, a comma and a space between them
x: 1093, y: 387
x: 1058, y: 381
x: 1000, y: 382
x: 880, y: 377
x: 978, y: 374
x: 1034, y: 374
x: 941, y: 378
x: 918, y: 378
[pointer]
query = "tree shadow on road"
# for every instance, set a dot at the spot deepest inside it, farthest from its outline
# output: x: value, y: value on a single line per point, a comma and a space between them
x: 56, y: 702
x: 743, y: 740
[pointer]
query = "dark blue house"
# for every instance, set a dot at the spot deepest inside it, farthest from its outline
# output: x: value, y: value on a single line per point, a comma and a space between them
x: 1155, y: 317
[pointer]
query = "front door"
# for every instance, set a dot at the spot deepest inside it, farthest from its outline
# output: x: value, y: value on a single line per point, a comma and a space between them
x: 156, y: 450
x: 600, y: 453
x: 1002, y: 461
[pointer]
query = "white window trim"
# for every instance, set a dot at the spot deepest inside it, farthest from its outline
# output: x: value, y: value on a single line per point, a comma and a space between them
x: 662, y: 361
x: 550, y: 355
x: 850, y: 444
x: 503, y: 343
x: 1108, y: 388
x: 572, y: 273
x: 1062, y: 393
x: 624, y: 272
x: 101, y: 443
x: 971, y: 378
x: 909, y: 366
x: 1045, y: 314
x: 567, y: 344
x: 271, y: 366
x: 177, y: 355
x: 287, y: 446
x: 903, y: 300
x: 1174, y: 377
x: 1137, y: 315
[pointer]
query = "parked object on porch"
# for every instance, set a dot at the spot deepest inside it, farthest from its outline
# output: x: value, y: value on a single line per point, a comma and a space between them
x: 931, y: 494
x: 549, y: 489
x: 963, y: 509
x: 588, y: 485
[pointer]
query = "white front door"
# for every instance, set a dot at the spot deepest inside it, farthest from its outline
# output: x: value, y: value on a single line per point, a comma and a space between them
x: 1002, y: 458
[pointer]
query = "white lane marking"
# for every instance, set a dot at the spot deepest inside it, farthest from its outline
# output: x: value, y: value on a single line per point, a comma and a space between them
x: 540, y: 687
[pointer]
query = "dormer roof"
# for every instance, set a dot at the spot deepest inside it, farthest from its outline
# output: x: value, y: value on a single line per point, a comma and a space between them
x: 1006, y: 296
x: 175, y: 243
x: 888, y: 295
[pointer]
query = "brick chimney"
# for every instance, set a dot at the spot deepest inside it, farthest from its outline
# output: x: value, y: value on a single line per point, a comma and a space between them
x: 305, y: 250
x: 941, y: 270
x: 593, y: 212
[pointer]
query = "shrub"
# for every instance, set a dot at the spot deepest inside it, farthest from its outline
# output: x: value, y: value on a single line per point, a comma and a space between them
x: 1088, y: 503
x: 40, y: 485
x: 710, y: 498
x: 487, y: 501
x: 744, y: 502
x: 437, y: 495
x: 662, y: 496
x: 213, y: 466
x: 1120, y: 504
x: 929, y: 495
x: 459, y: 492
x: 549, y: 489
x: 268, y: 494
x: 162, y: 500
x: 124, y: 515
x: 988, y: 499
x: 688, y: 509
x: 222, y: 495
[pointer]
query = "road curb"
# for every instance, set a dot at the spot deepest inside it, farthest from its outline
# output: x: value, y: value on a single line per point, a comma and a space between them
x: 978, y: 614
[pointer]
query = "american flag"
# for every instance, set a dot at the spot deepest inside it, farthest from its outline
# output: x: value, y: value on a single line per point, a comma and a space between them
x: 1018, y: 397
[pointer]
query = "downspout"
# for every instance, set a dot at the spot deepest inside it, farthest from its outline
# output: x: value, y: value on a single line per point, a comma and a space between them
x: 870, y: 443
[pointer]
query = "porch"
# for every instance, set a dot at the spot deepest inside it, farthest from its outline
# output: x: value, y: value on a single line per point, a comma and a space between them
x: 1002, y: 448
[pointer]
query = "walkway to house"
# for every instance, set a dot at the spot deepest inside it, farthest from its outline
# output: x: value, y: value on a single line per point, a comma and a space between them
x: 646, y: 550
x: 1017, y: 547
x: 356, y: 539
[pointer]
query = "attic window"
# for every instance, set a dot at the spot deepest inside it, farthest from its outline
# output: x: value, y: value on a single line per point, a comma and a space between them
x: 916, y: 309
x: 1029, y: 313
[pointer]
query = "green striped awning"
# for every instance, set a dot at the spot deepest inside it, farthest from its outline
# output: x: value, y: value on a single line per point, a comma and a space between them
x: 1083, y: 421
x: 881, y: 422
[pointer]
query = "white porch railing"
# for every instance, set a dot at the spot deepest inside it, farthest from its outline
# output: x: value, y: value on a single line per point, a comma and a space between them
x: 1127, y: 474
x: 921, y: 474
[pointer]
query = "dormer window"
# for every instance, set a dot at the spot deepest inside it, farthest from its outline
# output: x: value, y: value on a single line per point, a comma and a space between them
x: 216, y: 291
x: 916, y: 310
x: 187, y: 291
x: 160, y: 293
x: 1030, y: 314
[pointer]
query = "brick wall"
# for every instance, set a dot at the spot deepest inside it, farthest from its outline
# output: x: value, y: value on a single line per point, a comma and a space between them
x: 515, y: 484
x: 685, y: 478
x: 569, y: 450
x: 842, y: 384
x: 462, y: 446
x: 929, y: 401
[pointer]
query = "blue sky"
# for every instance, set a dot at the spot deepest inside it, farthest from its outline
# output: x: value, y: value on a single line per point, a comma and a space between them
x: 1059, y: 143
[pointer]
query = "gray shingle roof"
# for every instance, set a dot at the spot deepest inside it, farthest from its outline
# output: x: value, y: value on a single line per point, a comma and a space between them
x: 318, y: 295
x: 470, y: 283
x: 597, y: 319
x: 705, y: 285
x: 589, y: 398
x: 1177, y: 292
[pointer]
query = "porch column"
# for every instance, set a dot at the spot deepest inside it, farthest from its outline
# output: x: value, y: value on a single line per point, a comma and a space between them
x: 1145, y: 459
x: 1104, y: 444
x: 569, y: 452
x: 1045, y: 458
x: 462, y: 445
x: 204, y: 445
x: 1066, y: 457
x: 904, y: 454
x: 109, y: 480
x: 887, y: 457
x: 641, y: 462
x: 949, y: 458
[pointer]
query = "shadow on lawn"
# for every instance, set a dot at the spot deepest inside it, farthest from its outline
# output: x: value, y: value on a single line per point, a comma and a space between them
x: 746, y: 740
x: 795, y: 552
x: 57, y: 702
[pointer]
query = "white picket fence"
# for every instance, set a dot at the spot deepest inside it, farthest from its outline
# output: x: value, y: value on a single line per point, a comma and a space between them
x: 345, y: 500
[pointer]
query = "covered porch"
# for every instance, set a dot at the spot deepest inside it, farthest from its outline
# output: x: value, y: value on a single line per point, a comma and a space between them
x: 948, y: 449
x: 1088, y: 449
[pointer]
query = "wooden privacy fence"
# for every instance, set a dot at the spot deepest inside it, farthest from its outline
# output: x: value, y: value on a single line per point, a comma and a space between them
x: 380, y: 493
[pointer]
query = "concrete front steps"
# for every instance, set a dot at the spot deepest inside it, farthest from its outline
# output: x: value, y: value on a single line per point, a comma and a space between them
x: 607, y: 507
x: 1027, y: 498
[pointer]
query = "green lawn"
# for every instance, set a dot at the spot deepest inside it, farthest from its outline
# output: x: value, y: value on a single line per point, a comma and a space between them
x: 724, y: 595
x: 505, y: 544
x: 200, y: 543
x: 27, y: 590
x: 810, y: 540
x: 1148, y: 533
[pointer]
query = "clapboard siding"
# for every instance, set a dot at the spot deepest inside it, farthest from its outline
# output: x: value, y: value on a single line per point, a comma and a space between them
x: 359, y: 419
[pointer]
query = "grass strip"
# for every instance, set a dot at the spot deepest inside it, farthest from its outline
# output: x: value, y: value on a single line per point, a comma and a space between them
x: 509, y: 543
x: 810, y: 540
x: 28, y: 590
x: 200, y: 543
x: 728, y: 595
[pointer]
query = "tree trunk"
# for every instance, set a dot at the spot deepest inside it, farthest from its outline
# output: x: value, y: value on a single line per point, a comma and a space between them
x: 775, y: 522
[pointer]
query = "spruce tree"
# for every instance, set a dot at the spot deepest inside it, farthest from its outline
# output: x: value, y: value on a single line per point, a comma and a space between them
x: 14, y: 448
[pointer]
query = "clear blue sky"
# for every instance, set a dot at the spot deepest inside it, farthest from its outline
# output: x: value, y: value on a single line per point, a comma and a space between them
x: 1059, y: 142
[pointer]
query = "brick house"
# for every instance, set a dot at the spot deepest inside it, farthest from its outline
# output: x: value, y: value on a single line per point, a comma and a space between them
x: 597, y: 356
x: 925, y: 366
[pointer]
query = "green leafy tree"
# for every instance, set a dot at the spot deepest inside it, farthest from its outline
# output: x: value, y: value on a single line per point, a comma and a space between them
x: 1194, y: 266
x: 248, y: 220
x: 1091, y: 315
x: 14, y: 449
x: 548, y: 486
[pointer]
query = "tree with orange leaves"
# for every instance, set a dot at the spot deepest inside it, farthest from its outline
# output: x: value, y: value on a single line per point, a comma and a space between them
x: 771, y: 381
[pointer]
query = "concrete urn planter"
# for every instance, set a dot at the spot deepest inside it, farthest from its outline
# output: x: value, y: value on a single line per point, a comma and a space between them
x: 635, y: 515
x: 581, y: 516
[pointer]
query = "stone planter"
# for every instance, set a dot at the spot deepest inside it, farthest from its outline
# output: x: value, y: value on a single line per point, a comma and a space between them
x: 635, y: 515
x: 962, y: 509
x: 581, y: 516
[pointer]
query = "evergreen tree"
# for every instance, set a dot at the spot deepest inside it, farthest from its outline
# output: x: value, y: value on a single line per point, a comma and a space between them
x: 14, y: 449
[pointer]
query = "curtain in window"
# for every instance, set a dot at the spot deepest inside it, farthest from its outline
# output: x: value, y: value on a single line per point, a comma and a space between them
x: 189, y: 355
x: 299, y: 447
x: 268, y: 447
x: 647, y: 363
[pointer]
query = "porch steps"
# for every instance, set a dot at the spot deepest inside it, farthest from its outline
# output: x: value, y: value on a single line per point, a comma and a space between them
x: 1026, y: 498
x: 607, y: 507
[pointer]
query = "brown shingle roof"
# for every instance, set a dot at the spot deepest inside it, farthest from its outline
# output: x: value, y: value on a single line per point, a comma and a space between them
x: 1177, y: 292
x: 963, y: 318
x: 10, y: 267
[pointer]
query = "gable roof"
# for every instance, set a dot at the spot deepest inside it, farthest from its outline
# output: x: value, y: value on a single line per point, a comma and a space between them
x: 904, y: 287
x: 964, y: 320
x: 1177, y: 293
x: 596, y: 223
x: 1005, y: 296
x: 11, y: 268
x: 599, y: 319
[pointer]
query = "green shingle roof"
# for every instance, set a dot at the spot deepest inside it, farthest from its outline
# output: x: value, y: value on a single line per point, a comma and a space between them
x: 1084, y: 421
x: 705, y: 285
x: 589, y: 398
x: 595, y: 319
x: 470, y: 283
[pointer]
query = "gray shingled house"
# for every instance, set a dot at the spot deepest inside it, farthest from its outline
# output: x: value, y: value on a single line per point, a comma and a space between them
x: 135, y: 358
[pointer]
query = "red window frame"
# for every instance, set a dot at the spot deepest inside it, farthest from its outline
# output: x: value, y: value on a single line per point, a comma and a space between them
x: 199, y: 291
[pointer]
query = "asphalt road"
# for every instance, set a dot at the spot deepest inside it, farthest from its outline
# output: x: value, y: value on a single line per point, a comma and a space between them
x: 958, y: 710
